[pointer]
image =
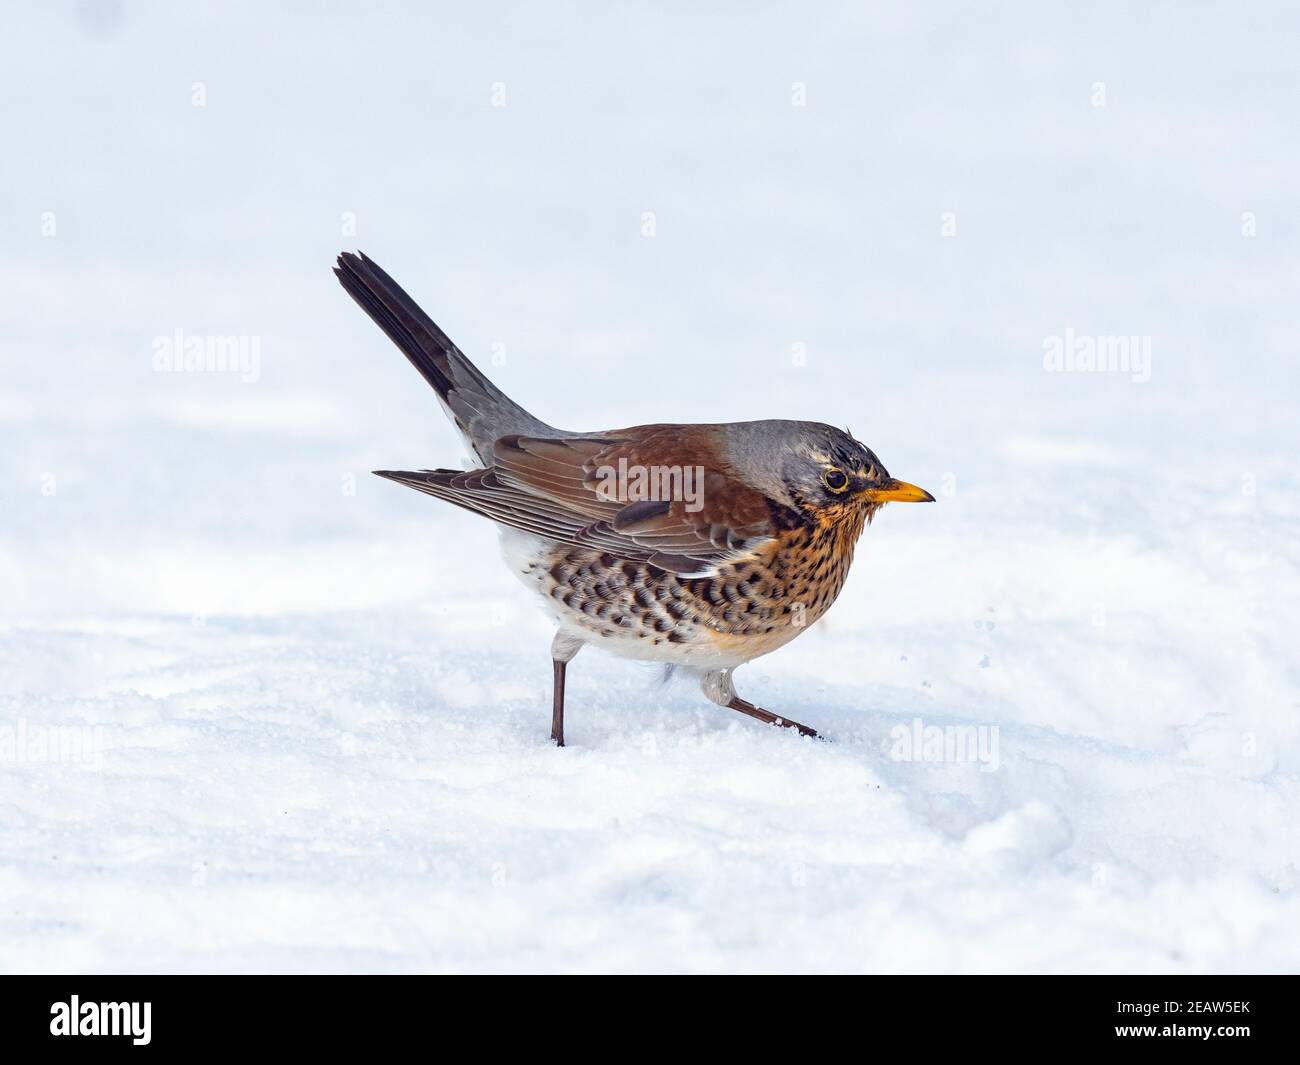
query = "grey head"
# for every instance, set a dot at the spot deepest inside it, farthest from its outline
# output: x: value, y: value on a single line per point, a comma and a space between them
x: 819, y: 470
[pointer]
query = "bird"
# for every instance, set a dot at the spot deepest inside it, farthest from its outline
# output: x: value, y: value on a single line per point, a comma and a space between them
x: 698, y: 546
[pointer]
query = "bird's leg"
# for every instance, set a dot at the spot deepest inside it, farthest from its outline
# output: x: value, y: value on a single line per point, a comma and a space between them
x: 718, y: 688
x: 557, y: 703
x: 563, y: 648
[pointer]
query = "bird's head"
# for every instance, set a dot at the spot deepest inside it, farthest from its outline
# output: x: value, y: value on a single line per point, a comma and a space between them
x: 835, y: 479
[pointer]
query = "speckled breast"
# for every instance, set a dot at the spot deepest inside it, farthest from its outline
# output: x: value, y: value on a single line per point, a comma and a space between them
x: 748, y: 609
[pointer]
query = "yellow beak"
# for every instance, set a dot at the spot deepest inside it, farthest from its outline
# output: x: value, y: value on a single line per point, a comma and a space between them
x: 898, y: 492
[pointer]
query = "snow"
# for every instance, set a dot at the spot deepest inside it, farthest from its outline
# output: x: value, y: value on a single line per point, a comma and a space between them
x: 260, y: 711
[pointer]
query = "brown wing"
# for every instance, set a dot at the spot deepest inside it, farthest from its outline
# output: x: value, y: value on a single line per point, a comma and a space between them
x: 653, y: 494
x: 660, y: 489
x: 481, y: 492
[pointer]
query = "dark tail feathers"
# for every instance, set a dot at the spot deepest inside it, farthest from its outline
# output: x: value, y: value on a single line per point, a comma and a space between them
x: 481, y: 411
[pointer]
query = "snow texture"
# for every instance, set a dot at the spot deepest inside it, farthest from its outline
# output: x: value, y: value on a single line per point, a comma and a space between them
x: 260, y: 711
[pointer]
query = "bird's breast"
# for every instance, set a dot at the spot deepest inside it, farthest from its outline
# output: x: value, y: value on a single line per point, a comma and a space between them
x: 747, y: 609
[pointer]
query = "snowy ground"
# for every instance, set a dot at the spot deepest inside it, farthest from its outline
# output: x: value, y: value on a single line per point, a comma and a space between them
x: 261, y: 711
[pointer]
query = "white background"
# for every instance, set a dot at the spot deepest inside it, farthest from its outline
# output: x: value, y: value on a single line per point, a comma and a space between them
x: 323, y: 715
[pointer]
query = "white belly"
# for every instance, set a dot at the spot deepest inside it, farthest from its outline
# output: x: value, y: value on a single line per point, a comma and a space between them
x: 528, y: 557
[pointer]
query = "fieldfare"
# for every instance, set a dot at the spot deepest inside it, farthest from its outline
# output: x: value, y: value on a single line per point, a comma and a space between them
x: 701, y: 546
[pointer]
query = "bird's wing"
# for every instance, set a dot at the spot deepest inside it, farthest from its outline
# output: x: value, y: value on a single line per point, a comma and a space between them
x: 481, y: 492
x: 658, y: 489
x: 650, y: 494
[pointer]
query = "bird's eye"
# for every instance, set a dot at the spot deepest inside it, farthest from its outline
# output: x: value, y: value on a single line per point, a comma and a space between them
x: 836, y: 480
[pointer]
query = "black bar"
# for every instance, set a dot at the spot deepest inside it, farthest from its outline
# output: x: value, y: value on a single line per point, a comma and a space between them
x: 337, y: 1014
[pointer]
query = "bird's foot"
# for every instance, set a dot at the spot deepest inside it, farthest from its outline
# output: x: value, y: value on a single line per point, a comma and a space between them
x: 770, y: 718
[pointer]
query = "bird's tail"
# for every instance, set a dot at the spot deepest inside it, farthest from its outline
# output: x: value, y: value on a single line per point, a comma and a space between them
x: 480, y: 410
